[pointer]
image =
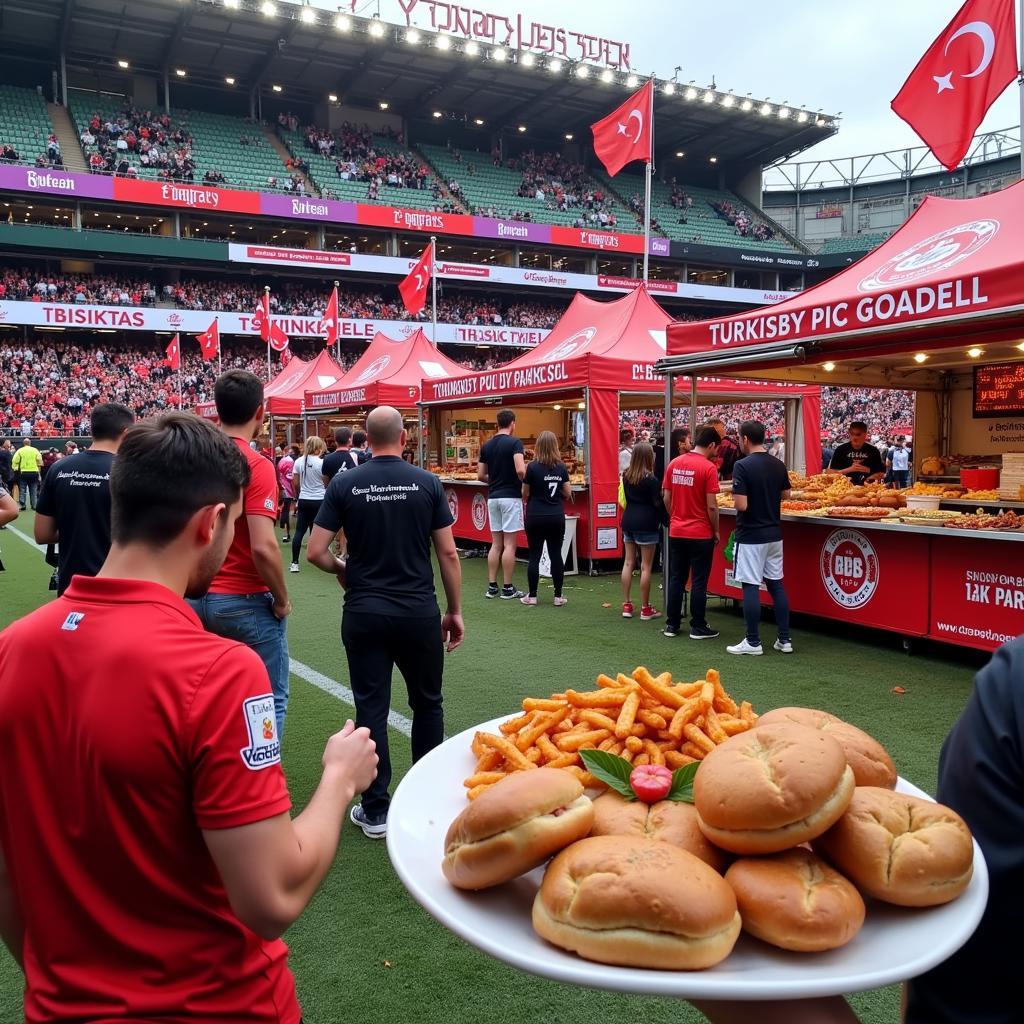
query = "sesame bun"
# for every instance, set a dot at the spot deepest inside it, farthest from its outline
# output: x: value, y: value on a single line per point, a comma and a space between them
x: 514, y: 826
x: 871, y: 763
x: 794, y: 900
x: 671, y: 822
x: 772, y: 788
x: 636, y: 903
x: 901, y: 849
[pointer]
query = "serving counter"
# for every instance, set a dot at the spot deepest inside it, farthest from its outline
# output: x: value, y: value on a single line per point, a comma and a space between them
x: 963, y: 587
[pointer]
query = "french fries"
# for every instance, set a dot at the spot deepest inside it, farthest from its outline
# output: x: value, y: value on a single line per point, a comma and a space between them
x: 642, y: 718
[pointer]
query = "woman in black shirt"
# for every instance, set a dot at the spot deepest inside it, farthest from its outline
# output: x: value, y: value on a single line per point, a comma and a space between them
x: 545, y: 486
x: 641, y: 527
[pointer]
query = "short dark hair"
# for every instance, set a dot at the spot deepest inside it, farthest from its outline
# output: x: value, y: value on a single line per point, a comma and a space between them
x: 626, y: 434
x: 238, y: 394
x: 859, y: 425
x: 109, y: 421
x: 752, y: 431
x: 165, y: 471
x: 343, y: 435
x: 506, y: 417
x: 676, y: 438
x: 359, y: 438
x: 707, y: 437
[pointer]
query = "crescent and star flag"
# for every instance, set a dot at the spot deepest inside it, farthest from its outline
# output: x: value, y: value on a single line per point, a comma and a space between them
x: 173, y: 351
x: 414, y: 288
x: 209, y: 342
x: 625, y: 134
x: 962, y: 74
x: 329, y: 324
x: 270, y: 332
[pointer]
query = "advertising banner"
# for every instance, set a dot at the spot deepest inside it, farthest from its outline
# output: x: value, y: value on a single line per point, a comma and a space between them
x: 307, y: 208
x: 52, y: 182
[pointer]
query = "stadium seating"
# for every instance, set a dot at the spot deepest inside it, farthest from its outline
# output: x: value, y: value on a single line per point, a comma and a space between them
x: 24, y: 122
x: 858, y: 244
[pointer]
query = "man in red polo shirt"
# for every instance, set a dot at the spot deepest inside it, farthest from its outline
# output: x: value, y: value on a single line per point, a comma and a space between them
x: 248, y: 598
x: 688, y: 490
x: 148, y: 862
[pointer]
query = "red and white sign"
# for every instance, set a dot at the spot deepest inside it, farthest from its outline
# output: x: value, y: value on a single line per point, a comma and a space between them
x: 849, y: 568
x: 453, y: 502
x: 478, y: 510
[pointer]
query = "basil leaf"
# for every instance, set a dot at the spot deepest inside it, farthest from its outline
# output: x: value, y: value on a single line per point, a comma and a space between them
x: 682, y: 784
x: 611, y: 770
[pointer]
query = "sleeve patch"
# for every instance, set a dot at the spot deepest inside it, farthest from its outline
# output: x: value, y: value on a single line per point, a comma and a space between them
x: 264, y: 747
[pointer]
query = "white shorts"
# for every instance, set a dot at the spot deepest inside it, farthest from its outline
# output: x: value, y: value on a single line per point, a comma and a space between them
x: 756, y: 562
x: 505, y: 515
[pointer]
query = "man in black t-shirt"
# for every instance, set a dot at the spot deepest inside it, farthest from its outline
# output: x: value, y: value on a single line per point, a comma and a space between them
x: 389, y: 514
x: 359, y: 447
x: 760, y: 483
x: 502, y: 467
x: 74, y: 505
x: 342, y: 459
x: 856, y: 459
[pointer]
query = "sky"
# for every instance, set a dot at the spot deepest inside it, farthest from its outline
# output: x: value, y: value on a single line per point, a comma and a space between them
x: 838, y: 55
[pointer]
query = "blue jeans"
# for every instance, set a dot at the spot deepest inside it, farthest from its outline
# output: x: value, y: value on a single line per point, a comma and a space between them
x: 28, y: 487
x: 250, y: 619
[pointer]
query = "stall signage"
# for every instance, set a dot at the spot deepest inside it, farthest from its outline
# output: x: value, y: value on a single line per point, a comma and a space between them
x: 500, y: 382
x: 607, y: 538
x: 849, y: 568
x: 999, y: 389
x: 607, y: 510
x: 330, y: 399
x: 478, y: 511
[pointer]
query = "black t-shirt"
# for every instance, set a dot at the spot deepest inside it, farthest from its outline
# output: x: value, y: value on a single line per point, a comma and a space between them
x: 339, y: 462
x: 981, y: 777
x: 362, y: 455
x: 498, y: 456
x: 388, y: 511
x: 868, y: 456
x: 76, y: 493
x: 643, y: 513
x: 761, y: 478
x: 545, y: 483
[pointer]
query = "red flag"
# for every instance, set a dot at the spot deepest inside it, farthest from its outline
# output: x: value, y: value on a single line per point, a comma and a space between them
x: 626, y: 134
x: 270, y: 332
x: 209, y: 341
x: 414, y: 288
x: 961, y: 75
x: 173, y: 351
x: 329, y: 324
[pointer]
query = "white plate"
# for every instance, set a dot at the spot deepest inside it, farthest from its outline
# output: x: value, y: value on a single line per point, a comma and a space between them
x: 894, y: 944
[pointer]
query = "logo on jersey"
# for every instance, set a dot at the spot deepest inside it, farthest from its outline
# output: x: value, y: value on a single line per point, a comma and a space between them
x: 849, y: 568
x: 453, y: 502
x: 931, y: 255
x: 478, y: 511
x: 264, y: 747
x: 269, y: 505
x: 72, y: 621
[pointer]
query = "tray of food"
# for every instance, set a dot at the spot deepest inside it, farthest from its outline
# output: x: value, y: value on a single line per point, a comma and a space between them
x: 859, y: 512
x: 654, y: 836
x: 984, y: 521
x: 927, y: 516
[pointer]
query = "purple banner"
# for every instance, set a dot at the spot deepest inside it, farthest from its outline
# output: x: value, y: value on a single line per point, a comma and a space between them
x: 307, y: 208
x: 660, y: 247
x: 48, y: 181
x: 513, y: 230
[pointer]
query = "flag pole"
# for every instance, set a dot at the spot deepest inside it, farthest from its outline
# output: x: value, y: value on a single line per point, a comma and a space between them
x: 433, y: 289
x: 337, y: 330
x: 647, y: 191
x: 266, y: 313
x: 220, y: 360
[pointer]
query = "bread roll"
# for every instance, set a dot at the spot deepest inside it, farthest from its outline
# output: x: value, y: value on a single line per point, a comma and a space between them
x: 900, y: 848
x: 772, y: 788
x: 636, y: 903
x: 514, y: 827
x: 871, y: 763
x: 794, y: 900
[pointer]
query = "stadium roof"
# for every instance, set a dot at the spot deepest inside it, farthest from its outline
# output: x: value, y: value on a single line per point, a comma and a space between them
x: 311, y: 53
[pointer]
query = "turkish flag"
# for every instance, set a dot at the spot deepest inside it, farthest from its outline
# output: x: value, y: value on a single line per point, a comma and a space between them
x: 209, y: 342
x: 627, y: 133
x: 270, y: 332
x: 414, y: 288
x: 173, y: 351
x: 329, y: 324
x: 961, y: 75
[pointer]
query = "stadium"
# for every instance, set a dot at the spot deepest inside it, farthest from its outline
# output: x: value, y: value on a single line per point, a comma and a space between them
x: 166, y: 168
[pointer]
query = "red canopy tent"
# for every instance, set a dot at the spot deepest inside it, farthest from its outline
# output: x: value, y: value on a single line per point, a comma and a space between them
x: 389, y: 372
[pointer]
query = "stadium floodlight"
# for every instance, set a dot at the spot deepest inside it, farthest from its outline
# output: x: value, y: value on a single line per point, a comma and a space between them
x: 471, y: 49
x: 766, y: 109
x: 820, y: 122
x: 728, y: 100
x: 308, y: 15
x: 747, y: 105
x: 712, y: 159
x: 478, y: 121
x: 521, y: 128
x: 437, y: 113
x: 376, y: 28
x: 568, y: 136
x: 691, y: 93
x: 276, y: 88
x: 583, y: 71
x: 268, y: 8
x: 443, y: 43
x: 383, y: 104
x: 332, y: 97
x: 499, y: 54
x: 230, y: 80
x: 527, y: 60
x: 607, y: 75
x: 342, y: 24
x: 412, y: 37
x: 632, y: 81
x: 123, y: 64
x: 802, y: 117
x: 670, y: 89
x: 708, y: 97
x: 180, y: 72
x: 783, y: 113
x: 231, y: 5
x: 554, y: 66
x: 680, y: 154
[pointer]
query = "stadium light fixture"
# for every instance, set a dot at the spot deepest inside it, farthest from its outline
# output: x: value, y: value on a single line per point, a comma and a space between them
x: 499, y: 54
x: 307, y: 16
x: 554, y: 66
x: 746, y: 106
x: 521, y: 128
x: 443, y: 43
x: 766, y: 109
x: 412, y: 37
x: 437, y: 113
x: 607, y: 75
x: 729, y: 100
x: 230, y: 80
x: 632, y: 81
x: 527, y: 60
x: 332, y: 97
x: 828, y: 367
x: 383, y: 104
x: 568, y: 136
x: 471, y: 49
x: 268, y: 8
x: 691, y: 93
x: 231, y: 5
x: 276, y: 88
x: 680, y: 154
x: 713, y: 159
x: 802, y: 117
x: 583, y: 71
x: 784, y: 112
x: 123, y: 64
x: 670, y: 89
x: 180, y: 72
x: 342, y: 23
x: 975, y: 353
x: 920, y: 357
x: 708, y: 97
x: 376, y: 28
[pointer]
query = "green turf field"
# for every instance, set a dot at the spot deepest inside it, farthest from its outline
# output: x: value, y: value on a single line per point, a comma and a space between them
x: 363, y: 951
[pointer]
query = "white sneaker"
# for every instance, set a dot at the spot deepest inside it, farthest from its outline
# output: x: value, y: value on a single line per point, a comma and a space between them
x: 745, y: 648
x: 294, y: 567
x: 786, y: 646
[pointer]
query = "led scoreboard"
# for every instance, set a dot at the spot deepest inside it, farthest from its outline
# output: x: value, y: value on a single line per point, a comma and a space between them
x: 999, y: 389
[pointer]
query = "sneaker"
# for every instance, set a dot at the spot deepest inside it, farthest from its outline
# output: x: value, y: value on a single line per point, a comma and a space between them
x: 492, y: 590
x: 294, y: 567
x: 627, y: 610
x: 786, y: 646
x: 286, y: 539
x: 647, y: 613
x: 560, y: 601
x: 704, y: 632
x: 528, y: 600
x: 373, y: 828
x: 745, y: 648
x: 510, y: 594
x: 670, y: 631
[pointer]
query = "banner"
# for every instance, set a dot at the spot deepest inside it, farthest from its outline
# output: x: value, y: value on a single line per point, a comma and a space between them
x: 56, y: 182
x: 186, y: 195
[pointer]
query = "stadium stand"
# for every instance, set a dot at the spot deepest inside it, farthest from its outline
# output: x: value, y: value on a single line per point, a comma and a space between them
x: 858, y: 244
x: 24, y: 126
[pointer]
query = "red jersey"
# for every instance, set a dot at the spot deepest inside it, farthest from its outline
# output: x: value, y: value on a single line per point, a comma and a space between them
x: 690, y: 479
x: 238, y: 574
x: 139, y: 730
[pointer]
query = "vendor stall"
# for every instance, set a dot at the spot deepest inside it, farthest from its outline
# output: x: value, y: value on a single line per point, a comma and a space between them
x: 938, y: 309
x: 596, y: 361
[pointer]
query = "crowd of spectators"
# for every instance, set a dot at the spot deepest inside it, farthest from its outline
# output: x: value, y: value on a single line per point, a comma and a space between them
x: 76, y: 289
x: 122, y: 142
x: 743, y: 221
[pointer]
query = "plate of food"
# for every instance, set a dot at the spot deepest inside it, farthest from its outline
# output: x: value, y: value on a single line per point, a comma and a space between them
x: 859, y: 512
x: 588, y: 886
